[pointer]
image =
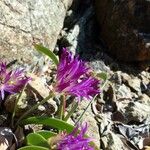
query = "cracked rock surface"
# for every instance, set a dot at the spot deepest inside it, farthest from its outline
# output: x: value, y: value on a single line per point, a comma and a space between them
x: 24, y: 22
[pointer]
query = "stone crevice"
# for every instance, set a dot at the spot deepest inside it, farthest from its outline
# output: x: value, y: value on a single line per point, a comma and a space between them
x: 11, y: 7
x: 62, y: 1
x: 14, y: 28
x: 29, y: 8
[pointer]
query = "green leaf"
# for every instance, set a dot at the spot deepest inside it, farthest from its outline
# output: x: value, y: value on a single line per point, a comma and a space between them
x: 33, y: 148
x: 46, y: 134
x: 47, y: 52
x: 34, y: 139
x: 102, y: 75
x: 52, y: 122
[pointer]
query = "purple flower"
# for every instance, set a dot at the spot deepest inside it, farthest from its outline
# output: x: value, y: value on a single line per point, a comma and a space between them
x: 11, y: 81
x: 73, y: 77
x: 75, y: 140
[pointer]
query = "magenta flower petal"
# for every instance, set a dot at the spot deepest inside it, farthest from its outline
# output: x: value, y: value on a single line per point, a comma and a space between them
x: 72, y: 77
x: 11, y: 81
x: 75, y: 140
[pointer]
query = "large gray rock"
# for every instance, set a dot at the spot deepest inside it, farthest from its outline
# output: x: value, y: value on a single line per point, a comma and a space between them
x: 23, y: 22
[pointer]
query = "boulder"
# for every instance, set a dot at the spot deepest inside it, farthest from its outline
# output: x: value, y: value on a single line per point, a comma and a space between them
x: 24, y: 22
x: 125, y: 28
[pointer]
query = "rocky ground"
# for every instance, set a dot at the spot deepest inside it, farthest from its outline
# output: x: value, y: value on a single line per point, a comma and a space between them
x: 120, y: 118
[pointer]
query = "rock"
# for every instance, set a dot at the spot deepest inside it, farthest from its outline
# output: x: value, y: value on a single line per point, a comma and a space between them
x: 109, y: 140
x: 21, y: 106
x: 113, y: 142
x: 6, y: 138
x: 52, y: 106
x: 98, y: 65
x: 134, y: 111
x: 39, y: 86
x: 79, y: 31
x: 148, y: 90
x: 123, y: 92
x: 33, y: 127
x: 145, y: 99
x: 145, y: 76
x: 132, y: 81
x: 135, y: 84
x: 136, y: 136
x: 41, y: 108
x: 125, y: 77
x: 116, y: 77
x: 3, y: 118
x: 147, y: 148
x: 3, y: 143
x: 125, y: 28
x: 24, y: 22
x: 109, y: 97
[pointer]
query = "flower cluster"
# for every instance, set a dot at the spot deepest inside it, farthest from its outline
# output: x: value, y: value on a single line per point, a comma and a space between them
x: 11, y: 81
x: 73, y: 77
x: 75, y: 140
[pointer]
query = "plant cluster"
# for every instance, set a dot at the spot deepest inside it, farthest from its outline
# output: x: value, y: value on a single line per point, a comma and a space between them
x: 74, y: 78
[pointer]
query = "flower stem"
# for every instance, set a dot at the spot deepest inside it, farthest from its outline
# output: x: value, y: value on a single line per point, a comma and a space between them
x: 34, y: 107
x: 71, y: 111
x: 86, y: 109
x: 15, y: 107
x: 61, y: 110
x: 62, y: 107
x: 90, y: 103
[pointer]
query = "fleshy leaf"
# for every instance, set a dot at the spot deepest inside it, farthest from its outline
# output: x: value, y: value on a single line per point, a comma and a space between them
x: 46, y: 134
x: 34, y: 139
x: 52, y: 122
x: 47, y: 52
x: 102, y: 75
x: 33, y: 148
